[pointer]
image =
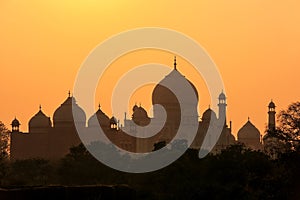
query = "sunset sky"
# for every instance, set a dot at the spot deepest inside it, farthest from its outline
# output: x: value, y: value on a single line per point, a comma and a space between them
x: 255, y: 45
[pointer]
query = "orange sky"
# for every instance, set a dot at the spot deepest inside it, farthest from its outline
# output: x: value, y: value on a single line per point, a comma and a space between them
x: 254, y: 43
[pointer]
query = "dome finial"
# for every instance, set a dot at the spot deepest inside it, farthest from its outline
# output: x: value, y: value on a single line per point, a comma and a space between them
x: 175, y: 64
x: 272, y: 104
x: 40, y: 107
x: 69, y: 93
x: 248, y: 119
x: 99, y: 106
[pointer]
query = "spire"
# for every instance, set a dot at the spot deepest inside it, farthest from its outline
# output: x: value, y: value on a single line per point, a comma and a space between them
x: 99, y: 106
x: 40, y: 107
x: 175, y: 64
x: 69, y: 93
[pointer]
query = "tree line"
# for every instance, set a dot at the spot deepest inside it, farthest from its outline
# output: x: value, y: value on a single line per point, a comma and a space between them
x: 235, y: 173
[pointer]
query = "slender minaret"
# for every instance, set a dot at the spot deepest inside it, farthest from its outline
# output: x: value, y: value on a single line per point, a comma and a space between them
x: 175, y: 63
x: 272, y: 115
x: 222, y: 107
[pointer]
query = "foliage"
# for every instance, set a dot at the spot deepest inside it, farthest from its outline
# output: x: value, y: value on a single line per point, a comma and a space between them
x: 235, y: 173
x: 4, y: 146
x: 29, y: 172
x: 289, y: 124
x: 4, y: 141
x: 286, y: 137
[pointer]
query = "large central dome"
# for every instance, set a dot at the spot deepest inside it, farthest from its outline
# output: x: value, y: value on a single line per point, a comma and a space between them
x: 160, y: 93
x: 163, y: 96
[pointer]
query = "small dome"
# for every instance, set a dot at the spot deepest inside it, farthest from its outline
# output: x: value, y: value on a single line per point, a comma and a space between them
x: 209, y: 114
x: 39, y: 120
x: 248, y: 131
x: 222, y: 96
x: 15, y: 122
x: 64, y: 114
x: 134, y: 108
x: 272, y: 104
x: 113, y: 120
x: 99, y: 118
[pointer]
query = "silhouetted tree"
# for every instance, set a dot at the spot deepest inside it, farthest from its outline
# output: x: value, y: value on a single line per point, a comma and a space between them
x: 77, y: 167
x: 4, y: 138
x: 286, y: 136
x: 276, y: 143
x: 289, y: 125
x: 80, y: 167
x: 30, y: 172
x: 4, y: 149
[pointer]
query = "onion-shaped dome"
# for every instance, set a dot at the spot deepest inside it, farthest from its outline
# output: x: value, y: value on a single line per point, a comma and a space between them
x: 15, y: 123
x: 99, y: 118
x: 164, y: 97
x: 208, y: 115
x: 272, y: 104
x: 248, y: 131
x: 161, y: 93
x: 63, y: 116
x: 39, y: 121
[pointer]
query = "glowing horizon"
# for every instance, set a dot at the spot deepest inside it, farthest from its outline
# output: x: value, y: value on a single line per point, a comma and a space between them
x: 255, y: 45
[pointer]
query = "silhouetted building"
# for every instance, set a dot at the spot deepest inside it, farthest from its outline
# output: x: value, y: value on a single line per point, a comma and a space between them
x: 52, y: 141
x: 163, y: 96
x: 44, y: 140
x: 250, y: 136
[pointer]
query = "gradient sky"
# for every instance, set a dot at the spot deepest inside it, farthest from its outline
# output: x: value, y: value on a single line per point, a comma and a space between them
x: 255, y: 45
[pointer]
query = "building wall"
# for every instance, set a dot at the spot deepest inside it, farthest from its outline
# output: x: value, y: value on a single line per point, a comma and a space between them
x: 52, y: 145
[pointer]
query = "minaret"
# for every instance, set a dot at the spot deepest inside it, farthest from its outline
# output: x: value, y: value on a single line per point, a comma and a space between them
x: 272, y: 115
x: 175, y: 64
x: 222, y: 107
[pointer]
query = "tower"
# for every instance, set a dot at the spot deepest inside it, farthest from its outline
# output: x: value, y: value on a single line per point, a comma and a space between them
x: 222, y: 107
x: 15, y: 126
x: 113, y: 123
x: 175, y: 63
x: 272, y: 115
